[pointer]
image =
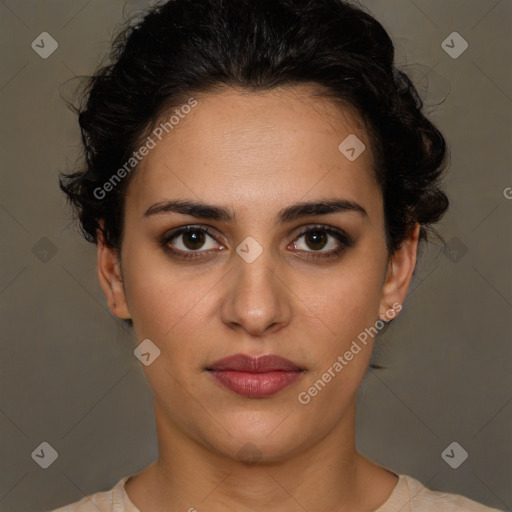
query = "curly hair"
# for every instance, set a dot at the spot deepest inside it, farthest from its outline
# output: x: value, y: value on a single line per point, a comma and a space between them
x: 185, y: 47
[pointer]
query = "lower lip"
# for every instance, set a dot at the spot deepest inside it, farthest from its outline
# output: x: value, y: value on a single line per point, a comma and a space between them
x: 255, y: 385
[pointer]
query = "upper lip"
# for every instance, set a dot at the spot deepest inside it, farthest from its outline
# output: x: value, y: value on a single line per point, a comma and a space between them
x: 253, y: 364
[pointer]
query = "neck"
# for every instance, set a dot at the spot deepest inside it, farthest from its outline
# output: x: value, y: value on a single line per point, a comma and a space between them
x: 328, y: 475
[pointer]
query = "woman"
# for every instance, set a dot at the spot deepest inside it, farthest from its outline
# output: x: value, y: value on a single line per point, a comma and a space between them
x: 258, y: 178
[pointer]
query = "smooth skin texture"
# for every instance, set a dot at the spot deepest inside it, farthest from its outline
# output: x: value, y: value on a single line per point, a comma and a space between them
x: 256, y: 154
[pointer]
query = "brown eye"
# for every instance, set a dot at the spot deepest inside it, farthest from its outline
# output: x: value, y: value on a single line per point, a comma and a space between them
x: 193, y: 239
x: 190, y: 239
x: 316, y: 240
x: 322, y: 242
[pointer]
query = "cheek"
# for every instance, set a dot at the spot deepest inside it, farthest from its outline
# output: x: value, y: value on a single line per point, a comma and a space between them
x: 169, y: 304
x: 348, y: 307
x: 158, y: 295
x: 346, y: 300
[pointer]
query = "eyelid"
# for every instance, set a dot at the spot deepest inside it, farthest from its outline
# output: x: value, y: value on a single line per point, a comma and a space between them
x: 341, y: 236
x: 325, y: 227
x: 168, y: 236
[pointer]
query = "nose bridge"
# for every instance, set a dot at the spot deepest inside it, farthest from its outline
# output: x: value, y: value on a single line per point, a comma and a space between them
x: 256, y: 300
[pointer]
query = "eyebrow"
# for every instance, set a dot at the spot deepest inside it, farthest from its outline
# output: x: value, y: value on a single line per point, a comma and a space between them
x: 288, y: 214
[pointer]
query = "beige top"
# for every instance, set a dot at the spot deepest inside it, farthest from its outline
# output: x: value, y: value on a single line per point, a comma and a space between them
x: 409, y: 495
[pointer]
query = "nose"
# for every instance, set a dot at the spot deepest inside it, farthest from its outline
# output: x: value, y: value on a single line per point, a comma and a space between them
x: 257, y: 299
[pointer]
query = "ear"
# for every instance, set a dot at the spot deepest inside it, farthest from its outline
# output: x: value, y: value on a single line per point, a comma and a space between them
x: 399, y: 274
x: 110, y: 277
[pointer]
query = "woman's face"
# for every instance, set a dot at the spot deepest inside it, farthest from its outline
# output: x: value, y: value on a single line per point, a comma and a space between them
x: 255, y: 284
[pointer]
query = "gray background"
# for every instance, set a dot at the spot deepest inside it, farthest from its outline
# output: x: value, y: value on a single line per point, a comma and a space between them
x: 67, y: 372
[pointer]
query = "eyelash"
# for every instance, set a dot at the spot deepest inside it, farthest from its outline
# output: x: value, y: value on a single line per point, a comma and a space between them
x: 343, y: 238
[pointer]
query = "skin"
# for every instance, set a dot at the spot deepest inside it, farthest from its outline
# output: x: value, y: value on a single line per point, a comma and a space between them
x: 255, y: 154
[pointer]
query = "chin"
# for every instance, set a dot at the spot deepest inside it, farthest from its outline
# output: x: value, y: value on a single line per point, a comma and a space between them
x: 256, y: 440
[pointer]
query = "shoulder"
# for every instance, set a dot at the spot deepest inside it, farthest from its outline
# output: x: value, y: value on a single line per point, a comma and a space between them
x: 113, y: 500
x: 412, y: 496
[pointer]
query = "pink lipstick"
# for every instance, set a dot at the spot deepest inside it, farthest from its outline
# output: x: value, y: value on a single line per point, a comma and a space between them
x: 255, y: 377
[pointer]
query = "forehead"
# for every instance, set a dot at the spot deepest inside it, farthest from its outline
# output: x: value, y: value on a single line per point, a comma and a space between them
x: 255, y: 148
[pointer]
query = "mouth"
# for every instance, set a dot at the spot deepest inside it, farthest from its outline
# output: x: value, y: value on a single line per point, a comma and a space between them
x: 255, y: 377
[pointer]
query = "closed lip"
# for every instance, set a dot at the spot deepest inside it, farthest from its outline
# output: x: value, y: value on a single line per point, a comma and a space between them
x: 254, y: 364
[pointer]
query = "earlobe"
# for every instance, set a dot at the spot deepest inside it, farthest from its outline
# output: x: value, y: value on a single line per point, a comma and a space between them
x: 399, y: 274
x: 111, y: 278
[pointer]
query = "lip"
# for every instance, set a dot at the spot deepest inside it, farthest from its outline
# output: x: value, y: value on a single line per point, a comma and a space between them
x: 255, y: 377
